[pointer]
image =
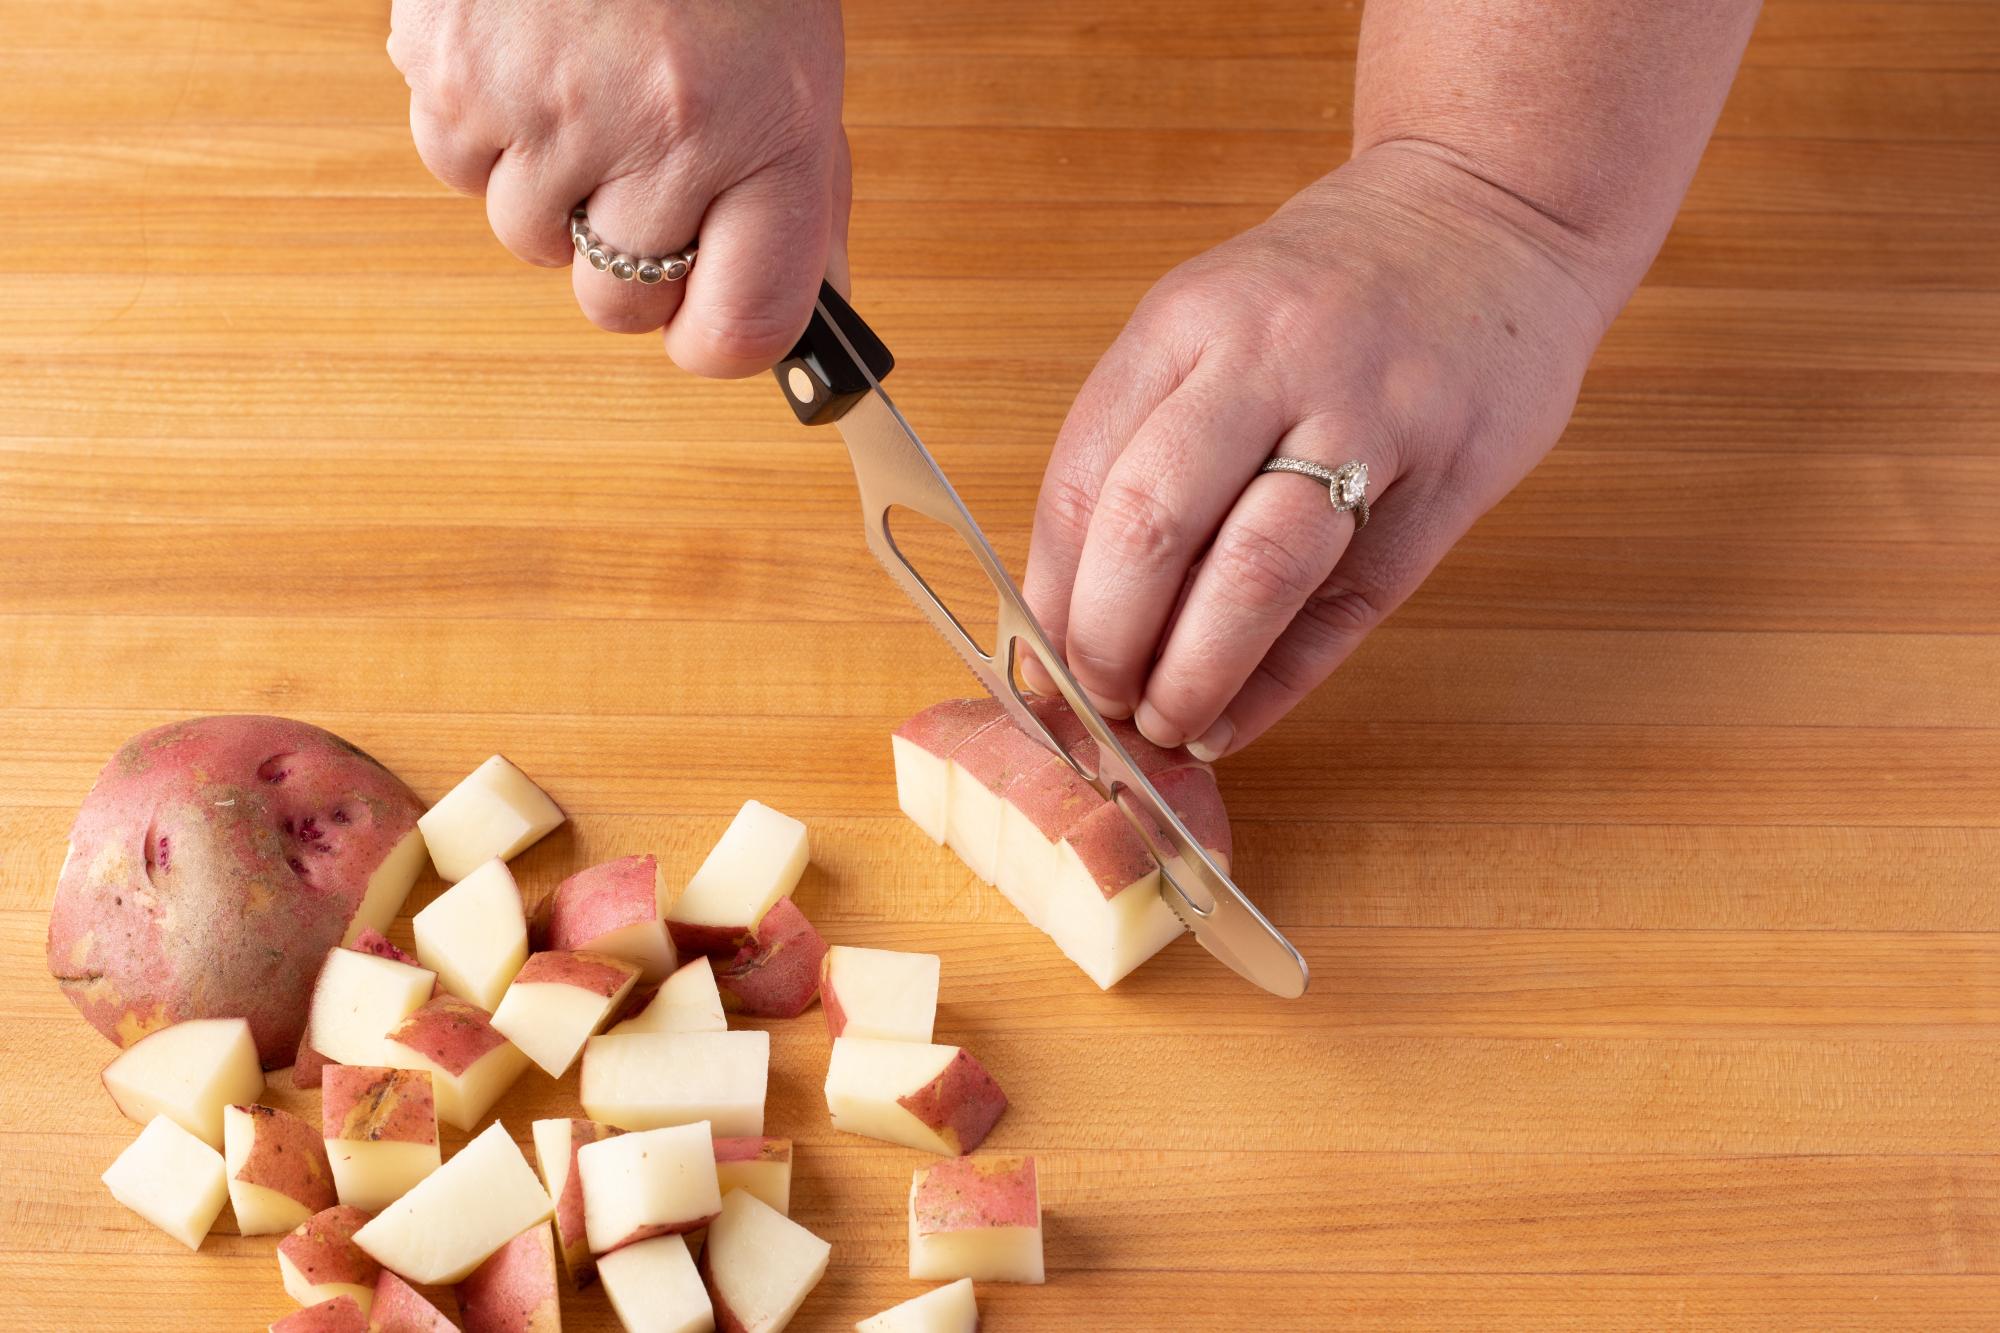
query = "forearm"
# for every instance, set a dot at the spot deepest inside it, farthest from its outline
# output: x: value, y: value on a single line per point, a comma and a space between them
x: 1588, y: 117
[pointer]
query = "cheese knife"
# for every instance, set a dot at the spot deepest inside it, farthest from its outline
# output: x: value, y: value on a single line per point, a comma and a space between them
x: 833, y: 376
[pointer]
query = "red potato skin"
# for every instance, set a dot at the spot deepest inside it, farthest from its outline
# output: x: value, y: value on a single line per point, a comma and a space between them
x: 322, y: 1248
x: 753, y: 1150
x: 575, y: 1243
x: 364, y: 1104
x: 376, y: 943
x: 829, y: 1000
x: 962, y: 1103
x: 515, y: 1290
x: 401, y: 1308
x: 212, y: 866
x: 777, y: 974
x: 604, y: 898
x: 726, y: 1319
x: 940, y: 728
x: 339, y: 1315
x: 718, y: 943
x: 999, y: 753
x: 287, y: 1156
x: 600, y: 974
x: 969, y: 1193
x: 451, y: 1032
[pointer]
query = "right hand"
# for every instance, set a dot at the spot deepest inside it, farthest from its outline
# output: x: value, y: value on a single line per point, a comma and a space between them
x: 716, y: 119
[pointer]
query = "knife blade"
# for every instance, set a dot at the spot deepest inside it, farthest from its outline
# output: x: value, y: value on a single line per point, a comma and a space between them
x: 834, y: 376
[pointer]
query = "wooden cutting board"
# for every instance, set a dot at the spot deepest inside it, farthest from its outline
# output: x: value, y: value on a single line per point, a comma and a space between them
x: 1649, y: 862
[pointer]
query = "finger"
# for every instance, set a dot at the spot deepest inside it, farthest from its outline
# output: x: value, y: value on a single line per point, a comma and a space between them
x: 1133, y: 376
x: 455, y: 151
x: 529, y: 196
x: 1159, y: 506
x: 648, y: 215
x: 1281, y: 540
x: 1407, y: 534
x: 764, y: 245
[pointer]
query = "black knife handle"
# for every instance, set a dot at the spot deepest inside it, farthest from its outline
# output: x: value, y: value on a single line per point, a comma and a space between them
x: 819, y: 378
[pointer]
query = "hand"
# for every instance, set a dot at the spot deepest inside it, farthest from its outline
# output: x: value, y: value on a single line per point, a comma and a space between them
x: 1401, y: 312
x: 717, y: 119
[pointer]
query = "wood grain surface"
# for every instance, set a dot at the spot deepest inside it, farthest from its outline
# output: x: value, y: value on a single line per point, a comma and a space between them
x: 1648, y: 862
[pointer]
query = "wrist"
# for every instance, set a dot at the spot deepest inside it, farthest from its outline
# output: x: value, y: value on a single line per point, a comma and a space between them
x: 1441, y: 186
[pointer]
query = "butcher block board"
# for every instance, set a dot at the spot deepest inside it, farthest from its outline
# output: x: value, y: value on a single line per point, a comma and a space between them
x: 1648, y: 863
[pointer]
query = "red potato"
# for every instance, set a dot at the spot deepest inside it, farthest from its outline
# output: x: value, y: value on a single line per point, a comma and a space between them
x: 947, y: 1309
x: 935, y: 1098
x: 656, y: 1182
x: 212, y: 866
x: 757, y: 861
x: 687, y: 1001
x: 922, y: 747
x: 978, y: 1218
x: 776, y: 973
x: 1023, y: 820
x: 617, y: 908
x: 188, y: 1072
x: 172, y: 1179
x: 655, y: 1288
x: 401, y: 1308
x: 342, y: 1314
x: 484, y: 1196
x: 380, y: 1131
x: 558, y: 1001
x: 557, y: 1143
x: 514, y: 1291
x: 879, y: 993
x: 759, y: 1265
x: 470, y: 1063
x: 759, y: 1165
x: 320, y: 1260
x: 358, y: 996
x: 278, y: 1172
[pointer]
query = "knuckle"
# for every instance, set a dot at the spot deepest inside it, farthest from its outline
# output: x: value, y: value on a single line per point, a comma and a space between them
x: 1341, y: 610
x: 1263, y: 572
x: 1066, y: 506
x: 1135, y: 526
x: 750, y: 333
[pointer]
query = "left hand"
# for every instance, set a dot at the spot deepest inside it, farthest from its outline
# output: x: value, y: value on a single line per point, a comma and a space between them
x: 1401, y: 312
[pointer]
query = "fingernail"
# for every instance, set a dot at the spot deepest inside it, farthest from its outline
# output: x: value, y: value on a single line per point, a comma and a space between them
x: 1209, y: 748
x: 1108, y: 707
x: 1153, y: 725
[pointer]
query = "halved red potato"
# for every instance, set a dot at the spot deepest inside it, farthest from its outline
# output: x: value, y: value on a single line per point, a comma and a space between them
x: 1023, y: 820
x: 212, y: 866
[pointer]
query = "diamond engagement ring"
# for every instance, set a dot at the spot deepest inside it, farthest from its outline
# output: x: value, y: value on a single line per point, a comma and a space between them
x: 624, y: 267
x: 1346, y: 485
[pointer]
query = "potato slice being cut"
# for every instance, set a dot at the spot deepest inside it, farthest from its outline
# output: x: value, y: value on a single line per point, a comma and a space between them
x: 1023, y: 820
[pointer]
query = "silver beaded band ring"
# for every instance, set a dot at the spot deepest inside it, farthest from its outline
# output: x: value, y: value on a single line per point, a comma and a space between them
x: 624, y: 267
x: 1346, y: 485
